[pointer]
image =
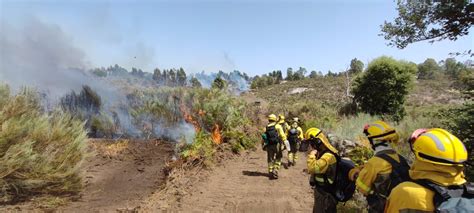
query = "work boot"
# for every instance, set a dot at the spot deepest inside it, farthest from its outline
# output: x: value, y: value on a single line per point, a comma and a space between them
x: 275, y: 174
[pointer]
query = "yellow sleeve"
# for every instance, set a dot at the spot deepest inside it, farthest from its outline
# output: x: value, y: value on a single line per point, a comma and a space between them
x: 300, y: 135
x: 281, y: 132
x: 366, y: 178
x: 320, y: 166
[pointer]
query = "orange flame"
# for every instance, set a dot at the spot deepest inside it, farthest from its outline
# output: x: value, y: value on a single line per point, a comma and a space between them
x: 216, y: 134
x: 189, y: 118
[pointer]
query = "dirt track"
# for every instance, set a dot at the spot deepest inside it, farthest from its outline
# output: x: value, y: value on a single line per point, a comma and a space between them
x: 242, y: 185
x: 118, y: 176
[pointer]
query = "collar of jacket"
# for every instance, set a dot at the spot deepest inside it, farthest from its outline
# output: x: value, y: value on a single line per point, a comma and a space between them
x: 439, y: 174
x: 383, y: 148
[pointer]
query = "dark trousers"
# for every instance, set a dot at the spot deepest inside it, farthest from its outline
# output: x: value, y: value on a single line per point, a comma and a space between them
x: 274, y: 155
x: 323, y: 202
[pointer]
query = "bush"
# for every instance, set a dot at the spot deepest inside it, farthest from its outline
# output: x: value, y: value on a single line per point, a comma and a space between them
x: 39, y: 153
x: 383, y: 88
x: 460, y: 122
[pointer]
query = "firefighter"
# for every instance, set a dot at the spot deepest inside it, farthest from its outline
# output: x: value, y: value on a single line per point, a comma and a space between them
x: 438, y: 167
x: 274, y: 137
x: 295, y: 136
x: 382, y: 172
x: 322, y: 163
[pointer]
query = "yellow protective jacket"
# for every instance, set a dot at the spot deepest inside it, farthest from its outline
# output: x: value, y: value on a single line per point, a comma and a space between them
x: 375, y: 174
x: 279, y: 129
x: 411, y: 197
x: 285, y: 126
x: 322, y: 166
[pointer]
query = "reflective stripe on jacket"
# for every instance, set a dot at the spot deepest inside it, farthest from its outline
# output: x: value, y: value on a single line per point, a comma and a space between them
x: 324, y: 166
x: 375, y: 175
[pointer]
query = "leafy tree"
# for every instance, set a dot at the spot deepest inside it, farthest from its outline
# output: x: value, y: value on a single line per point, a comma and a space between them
x: 313, y: 74
x: 219, y: 83
x: 331, y: 74
x: 429, y: 20
x: 300, y: 74
x: 357, y: 66
x: 279, y: 76
x: 452, y: 68
x: 157, y: 75
x: 428, y: 69
x: 181, y: 77
x: 172, y: 77
x: 383, y: 88
x: 195, y: 82
x: 99, y: 72
x: 289, y: 74
x: 137, y: 72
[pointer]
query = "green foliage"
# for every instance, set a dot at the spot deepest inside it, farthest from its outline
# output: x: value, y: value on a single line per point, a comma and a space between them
x: 351, y: 127
x: 39, y: 153
x: 452, y: 68
x: 202, y: 148
x: 356, y: 66
x: 219, y: 83
x: 100, y: 72
x: 383, y: 88
x: 195, y: 83
x: 429, y: 20
x: 428, y: 69
x: 360, y: 155
x: 102, y: 126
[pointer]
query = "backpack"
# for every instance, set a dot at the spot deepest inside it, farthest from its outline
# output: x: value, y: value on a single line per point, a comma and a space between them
x: 293, y: 135
x: 272, y: 135
x: 399, y: 171
x: 459, y: 198
x: 342, y: 188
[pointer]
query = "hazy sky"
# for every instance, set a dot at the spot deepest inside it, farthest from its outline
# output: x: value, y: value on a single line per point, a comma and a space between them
x: 252, y: 36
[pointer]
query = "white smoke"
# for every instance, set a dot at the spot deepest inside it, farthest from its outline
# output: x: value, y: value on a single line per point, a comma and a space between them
x: 41, y: 55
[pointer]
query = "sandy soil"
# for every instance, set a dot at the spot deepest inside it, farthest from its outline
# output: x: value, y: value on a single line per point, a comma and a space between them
x: 242, y: 185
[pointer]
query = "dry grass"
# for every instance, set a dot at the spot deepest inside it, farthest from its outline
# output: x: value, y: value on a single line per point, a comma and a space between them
x: 40, y: 153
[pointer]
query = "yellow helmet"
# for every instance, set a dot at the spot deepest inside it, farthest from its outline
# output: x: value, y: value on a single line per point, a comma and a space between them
x: 281, y: 117
x: 438, y: 146
x: 272, y: 117
x: 315, y: 133
x: 379, y: 132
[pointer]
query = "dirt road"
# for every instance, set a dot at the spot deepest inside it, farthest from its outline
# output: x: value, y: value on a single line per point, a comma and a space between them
x: 242, y: 185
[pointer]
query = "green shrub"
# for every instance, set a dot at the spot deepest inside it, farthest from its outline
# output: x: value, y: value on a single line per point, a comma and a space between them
x: 202, y: 149
x: 383, y: 88
x: 39, y: 153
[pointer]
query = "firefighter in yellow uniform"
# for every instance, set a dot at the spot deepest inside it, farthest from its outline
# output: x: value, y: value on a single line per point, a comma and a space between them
x: 375, y: 179
x: 322, y: 164
x: 274, y: 138
x: 295, y: 136
x: 439, y: 158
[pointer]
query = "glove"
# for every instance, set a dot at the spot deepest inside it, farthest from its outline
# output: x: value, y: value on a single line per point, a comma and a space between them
x: 287, y: 145
x: 354, y: 173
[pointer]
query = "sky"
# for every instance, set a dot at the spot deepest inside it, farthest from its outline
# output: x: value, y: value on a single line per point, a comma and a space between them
x: 255, y: 37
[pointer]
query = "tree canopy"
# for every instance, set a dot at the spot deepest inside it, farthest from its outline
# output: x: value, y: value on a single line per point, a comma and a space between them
x: 429, y: 20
